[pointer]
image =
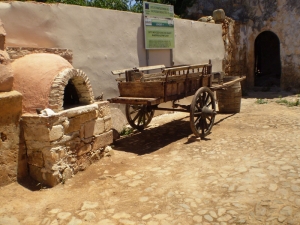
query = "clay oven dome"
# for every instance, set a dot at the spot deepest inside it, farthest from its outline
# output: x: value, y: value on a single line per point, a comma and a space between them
x: 50, y: 81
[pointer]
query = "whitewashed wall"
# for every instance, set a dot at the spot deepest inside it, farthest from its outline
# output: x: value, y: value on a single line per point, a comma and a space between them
x: 104, y: 40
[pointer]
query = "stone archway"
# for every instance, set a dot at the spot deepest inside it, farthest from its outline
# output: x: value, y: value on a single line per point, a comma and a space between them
x: 267, y: 70
x: 78, y: 80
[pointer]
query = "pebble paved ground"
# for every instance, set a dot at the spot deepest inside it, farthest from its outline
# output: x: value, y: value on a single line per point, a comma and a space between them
x: 247, y: 171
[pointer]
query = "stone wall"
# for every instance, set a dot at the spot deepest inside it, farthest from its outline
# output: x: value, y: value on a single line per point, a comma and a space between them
x: 60, y: 145
x: 10, y: 113
x: 248, y: 20
x: 18, y: 52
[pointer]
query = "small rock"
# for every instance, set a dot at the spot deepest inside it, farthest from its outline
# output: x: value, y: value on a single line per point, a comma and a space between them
x: 286, y: 211
x: 208, y: 218
x: 63, y: 215
x: 221, y: 211
x: 148, y: 216
x: 89, y: 205
x: 213, y: 214
x: 281, y: 219
x: 120, y: 215
x: 75, y: 221
x: 224, y: 218
x: 106, y: 222
x: 161, y: 216
x: 273, y: 187
x: 197, y: 219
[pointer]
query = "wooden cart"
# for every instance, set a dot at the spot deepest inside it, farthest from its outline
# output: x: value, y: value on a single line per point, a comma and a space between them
x: 142, y: 93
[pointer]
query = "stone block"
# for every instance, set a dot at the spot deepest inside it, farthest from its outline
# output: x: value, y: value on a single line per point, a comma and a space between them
x: 89, y: 129
x: 43, y: 176
x: 84, y: 149
x: 218, y: 15
x: 107, y: 123
x: 76, y: 121
x: 33, y: 145
x: 104, y: 109
x: 31, y: 131
x: 81, y: 110
x: 36, y: 158
x: 99, y: 126
x: 103, y: 140
x: 56, y: 132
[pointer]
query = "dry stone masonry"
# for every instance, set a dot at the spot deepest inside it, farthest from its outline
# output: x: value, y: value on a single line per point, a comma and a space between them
x: 60, y: 145
x: 18, y: 52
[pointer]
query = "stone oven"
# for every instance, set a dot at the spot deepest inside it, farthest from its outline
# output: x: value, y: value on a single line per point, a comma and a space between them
x: 64, y: 129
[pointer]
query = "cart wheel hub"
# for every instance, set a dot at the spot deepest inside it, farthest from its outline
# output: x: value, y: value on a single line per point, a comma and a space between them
x: 206, y: 112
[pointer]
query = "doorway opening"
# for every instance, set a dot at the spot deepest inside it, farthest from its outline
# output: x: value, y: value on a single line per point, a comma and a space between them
x: 267, y: 60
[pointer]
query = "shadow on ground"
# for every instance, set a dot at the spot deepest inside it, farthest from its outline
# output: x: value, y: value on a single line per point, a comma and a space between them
x: 155, y: 138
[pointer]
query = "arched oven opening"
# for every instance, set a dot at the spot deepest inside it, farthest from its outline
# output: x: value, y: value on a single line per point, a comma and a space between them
x: 75, y: 89
x: 71, y: 98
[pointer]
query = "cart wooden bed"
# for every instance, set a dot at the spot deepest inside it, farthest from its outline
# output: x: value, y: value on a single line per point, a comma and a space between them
x: 142, y: 93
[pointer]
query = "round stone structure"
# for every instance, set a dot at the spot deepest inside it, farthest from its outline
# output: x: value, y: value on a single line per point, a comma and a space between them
x: 45, y: 79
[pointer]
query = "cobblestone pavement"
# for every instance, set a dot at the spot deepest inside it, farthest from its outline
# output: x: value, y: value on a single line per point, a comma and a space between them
x: 247, y: 171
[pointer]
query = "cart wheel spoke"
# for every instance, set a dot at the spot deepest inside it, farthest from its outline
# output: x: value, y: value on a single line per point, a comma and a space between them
x: 139, y: 116
x: 136, y: 116
x: 202, y: 112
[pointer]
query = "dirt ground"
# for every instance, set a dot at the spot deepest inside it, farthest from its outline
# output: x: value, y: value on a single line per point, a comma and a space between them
x: 247, y: 171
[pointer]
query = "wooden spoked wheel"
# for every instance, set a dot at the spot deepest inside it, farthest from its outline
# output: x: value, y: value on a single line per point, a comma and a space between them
x: 202, y: 112
x: 139, y: 116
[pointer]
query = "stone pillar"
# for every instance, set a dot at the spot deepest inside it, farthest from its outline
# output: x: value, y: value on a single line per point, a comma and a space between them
x: 10, y: 113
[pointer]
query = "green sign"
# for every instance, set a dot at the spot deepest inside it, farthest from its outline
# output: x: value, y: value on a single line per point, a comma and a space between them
x: 158, y: 10
x: 159, y: 26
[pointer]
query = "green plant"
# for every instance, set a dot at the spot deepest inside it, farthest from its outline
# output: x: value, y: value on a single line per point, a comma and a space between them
x: 261, y: 101
x: 126, y: 131
x: 288, y: 103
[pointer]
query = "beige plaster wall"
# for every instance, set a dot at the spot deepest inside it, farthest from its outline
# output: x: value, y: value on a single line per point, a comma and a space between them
x: 105, y: 40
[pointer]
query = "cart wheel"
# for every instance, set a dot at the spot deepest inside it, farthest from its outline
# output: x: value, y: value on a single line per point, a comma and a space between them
x: 139, y: 116
x: 202, y: 112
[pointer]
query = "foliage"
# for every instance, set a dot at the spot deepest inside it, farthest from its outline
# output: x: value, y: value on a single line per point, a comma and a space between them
x: 107, y: 4
x: 261, y: 101
x: 126, y: 5
x: 179, y: 5
x: 288, y: 103
x: 126, y: 131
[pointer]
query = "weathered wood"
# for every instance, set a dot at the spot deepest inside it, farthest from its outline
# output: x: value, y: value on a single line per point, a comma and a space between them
x: 145, y: 68
x: 227, y: 84
x: 136, y: 101
x: 173, y: 70
x: 198, y: 66
x: 141, y: 89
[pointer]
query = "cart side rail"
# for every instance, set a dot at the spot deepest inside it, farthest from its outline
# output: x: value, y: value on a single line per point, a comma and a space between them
x: 144, y: 68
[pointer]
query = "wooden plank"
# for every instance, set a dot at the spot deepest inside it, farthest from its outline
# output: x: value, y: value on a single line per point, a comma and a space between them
x: 175, y: 69
x: 144, y: 68
x: 141, y: 89
x: 118, y: 72
x: 198, y: 66
x: 227, y: 84
x: 136, y: 101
